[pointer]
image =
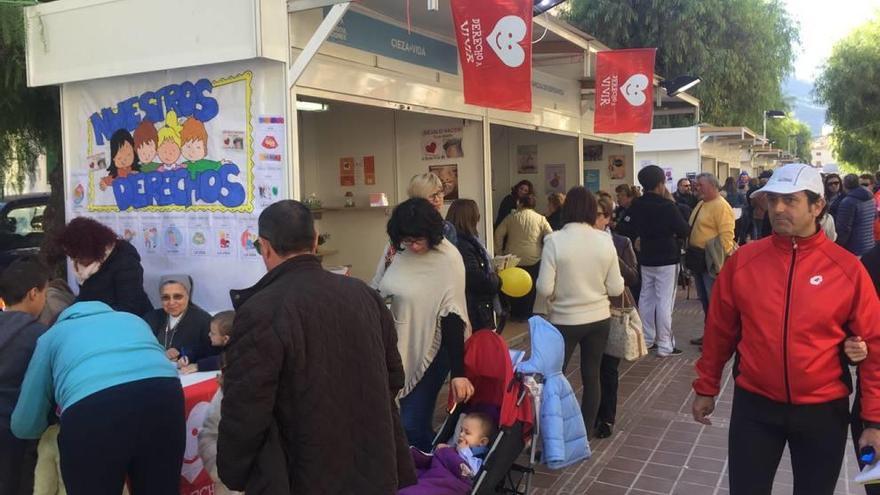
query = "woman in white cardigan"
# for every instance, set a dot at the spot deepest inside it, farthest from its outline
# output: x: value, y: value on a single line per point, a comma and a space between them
x: 579, y: 271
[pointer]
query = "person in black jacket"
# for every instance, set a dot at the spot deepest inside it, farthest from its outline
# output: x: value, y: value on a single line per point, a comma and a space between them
x: 554, y: 214
x: 481, y: 281
x: 312, y: 370
x: 108, y: 269
x: 508, y: 205
x: 660, y: 228
x: 685, y: 195
x: 180, y: 325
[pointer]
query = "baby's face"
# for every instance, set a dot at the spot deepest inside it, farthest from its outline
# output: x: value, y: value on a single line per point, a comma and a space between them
x: 472, y: 433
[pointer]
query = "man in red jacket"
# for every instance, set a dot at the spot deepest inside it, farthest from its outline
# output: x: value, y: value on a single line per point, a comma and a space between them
x: 785, y: 305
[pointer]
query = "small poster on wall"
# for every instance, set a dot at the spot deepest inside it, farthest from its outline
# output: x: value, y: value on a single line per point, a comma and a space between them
x: 670, y: 181
x: 438, y: 144
x: 448, y: 175
x: 369, y: 170
x: 591, y: 179
x: 593, y: 153
x: 554, y: 178
x: 527, y: 159
x: 346, y: 172
x: 617, y: 167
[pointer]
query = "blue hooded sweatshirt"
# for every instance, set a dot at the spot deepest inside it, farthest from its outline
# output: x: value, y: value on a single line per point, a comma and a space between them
x: 90, y: 348
x: 562, y: 424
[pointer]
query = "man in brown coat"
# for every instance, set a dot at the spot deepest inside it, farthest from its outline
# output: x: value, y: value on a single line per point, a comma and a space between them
x: 311, y: 373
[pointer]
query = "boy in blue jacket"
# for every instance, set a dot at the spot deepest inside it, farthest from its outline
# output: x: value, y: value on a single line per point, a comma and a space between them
x: 23, y: 289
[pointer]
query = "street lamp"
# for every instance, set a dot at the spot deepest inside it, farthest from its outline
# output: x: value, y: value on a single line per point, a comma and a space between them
x: 542, y: 6
x: 773, y: 114
x: 680, y: 84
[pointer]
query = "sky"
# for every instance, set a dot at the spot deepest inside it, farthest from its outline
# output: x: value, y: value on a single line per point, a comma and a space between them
x: 822, y: 24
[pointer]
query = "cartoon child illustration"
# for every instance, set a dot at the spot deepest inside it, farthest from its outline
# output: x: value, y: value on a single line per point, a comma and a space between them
x: 195, y: 147
x: 145, y: 138
x: 168, y: 141
x: 122, y: 157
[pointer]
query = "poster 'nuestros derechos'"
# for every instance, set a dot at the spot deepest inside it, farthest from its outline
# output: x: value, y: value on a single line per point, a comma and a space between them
x: 177, y: 144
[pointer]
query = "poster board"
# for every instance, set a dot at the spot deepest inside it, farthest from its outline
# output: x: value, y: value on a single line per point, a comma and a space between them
x: 180, y: 163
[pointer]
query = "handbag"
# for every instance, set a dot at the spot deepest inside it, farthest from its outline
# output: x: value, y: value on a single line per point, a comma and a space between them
x: 694, y: 257
x: 626, y: 339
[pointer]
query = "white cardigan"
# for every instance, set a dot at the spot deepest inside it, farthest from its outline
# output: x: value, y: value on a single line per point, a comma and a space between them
x: 579, y: 271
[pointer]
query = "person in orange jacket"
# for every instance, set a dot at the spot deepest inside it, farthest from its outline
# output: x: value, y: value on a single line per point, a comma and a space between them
x: 785, y: 305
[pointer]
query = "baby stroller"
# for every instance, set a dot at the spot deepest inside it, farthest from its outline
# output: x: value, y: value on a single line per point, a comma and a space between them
x: 507, y: 398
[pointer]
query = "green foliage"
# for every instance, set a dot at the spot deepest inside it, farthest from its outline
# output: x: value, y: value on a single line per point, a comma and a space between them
x: 742, y: 49
x: 791, y: 134
x: 30, y: 121
x: 848, y: 86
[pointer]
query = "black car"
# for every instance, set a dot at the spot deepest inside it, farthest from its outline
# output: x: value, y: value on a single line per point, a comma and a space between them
x: 21, y: 226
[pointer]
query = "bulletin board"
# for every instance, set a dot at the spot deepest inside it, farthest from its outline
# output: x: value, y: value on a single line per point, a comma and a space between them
x: 180, y: 163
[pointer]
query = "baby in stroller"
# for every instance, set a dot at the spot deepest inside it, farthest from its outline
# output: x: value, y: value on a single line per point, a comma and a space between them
x: 450, y: 470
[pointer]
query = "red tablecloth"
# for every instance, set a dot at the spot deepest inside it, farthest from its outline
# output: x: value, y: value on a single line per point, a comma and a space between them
x: 198, y: 390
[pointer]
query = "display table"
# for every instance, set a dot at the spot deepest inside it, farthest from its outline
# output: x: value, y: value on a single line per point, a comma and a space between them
x: 198, y: 390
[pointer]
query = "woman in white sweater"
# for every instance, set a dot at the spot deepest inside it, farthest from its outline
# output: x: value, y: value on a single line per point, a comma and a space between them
x: 579, y: 271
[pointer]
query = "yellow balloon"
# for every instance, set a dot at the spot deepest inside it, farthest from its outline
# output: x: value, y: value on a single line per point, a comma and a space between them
x: 515, y: 282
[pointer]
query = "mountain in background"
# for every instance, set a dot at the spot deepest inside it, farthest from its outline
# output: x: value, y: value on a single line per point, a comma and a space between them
x: 800, y: 94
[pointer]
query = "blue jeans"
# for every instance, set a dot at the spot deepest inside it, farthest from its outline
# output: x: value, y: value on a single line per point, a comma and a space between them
x: 704, y: 282
x: 417, y: 408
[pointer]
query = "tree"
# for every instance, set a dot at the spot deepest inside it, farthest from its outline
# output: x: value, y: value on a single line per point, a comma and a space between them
x: 30, y: 118
x: 742, y: 49
x: 848, y: 87
x: 791, y: 134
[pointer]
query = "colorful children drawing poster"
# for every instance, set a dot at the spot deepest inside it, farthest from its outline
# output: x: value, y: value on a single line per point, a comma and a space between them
x: 592, y: 179
x: 183, y: 144
x: 174, y: 236
x: 448, y: 175
x: 554, y: 178
x: 247, y: 237
x: 527, y: 159
x: 199, y: 236
x: 439, y: 144
x: 346, y: 172
x: 617, y: 167
x: 224, y: 238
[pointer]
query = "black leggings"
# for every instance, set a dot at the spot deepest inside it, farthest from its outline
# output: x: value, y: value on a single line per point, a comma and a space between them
x: 136, y: 429
x: 592, y: 339
x: 759, y: 430
x: 608, y: 380
x: 521, y: 307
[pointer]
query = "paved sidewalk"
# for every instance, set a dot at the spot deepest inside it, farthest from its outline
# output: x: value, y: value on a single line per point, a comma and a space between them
x: 657, y: 448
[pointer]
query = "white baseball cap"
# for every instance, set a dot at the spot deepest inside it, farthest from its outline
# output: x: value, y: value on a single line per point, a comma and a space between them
x: 792, y: 178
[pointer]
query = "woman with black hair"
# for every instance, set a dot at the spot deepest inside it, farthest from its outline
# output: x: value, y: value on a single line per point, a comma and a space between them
x: 123, y: 159
x: 833, y: 192
x: 426, y: 284
x: 522, y: 189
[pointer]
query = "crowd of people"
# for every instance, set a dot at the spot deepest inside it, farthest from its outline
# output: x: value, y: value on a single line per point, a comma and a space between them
x: 359, y: 367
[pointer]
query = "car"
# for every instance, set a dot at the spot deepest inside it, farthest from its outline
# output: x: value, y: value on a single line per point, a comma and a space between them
x: 21, y: 226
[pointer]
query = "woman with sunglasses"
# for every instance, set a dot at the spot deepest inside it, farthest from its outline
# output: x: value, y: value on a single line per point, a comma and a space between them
x: 833, y: 192
x: 180, y: 325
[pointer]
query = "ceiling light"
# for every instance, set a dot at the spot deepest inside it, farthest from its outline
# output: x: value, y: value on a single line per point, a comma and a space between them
x: 311, y: 106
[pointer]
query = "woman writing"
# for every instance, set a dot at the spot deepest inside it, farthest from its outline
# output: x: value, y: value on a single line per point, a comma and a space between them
x: 180, y: 325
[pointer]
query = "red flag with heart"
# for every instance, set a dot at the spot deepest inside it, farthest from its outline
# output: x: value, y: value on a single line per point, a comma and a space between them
x: 495, y: 49
x: 625, y: 91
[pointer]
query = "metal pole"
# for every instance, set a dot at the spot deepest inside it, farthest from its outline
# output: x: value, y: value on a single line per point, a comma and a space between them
x: 765, y: 127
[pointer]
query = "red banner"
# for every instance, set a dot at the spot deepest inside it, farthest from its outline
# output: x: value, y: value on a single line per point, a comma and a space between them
x: 495, y: 49
x: 625, y: 91
x: 194, y: 479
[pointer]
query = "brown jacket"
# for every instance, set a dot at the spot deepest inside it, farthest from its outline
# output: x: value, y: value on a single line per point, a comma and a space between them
x: 311, y: 372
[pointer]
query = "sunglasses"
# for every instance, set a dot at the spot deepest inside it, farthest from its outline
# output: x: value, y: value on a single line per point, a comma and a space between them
x: 176, y: 297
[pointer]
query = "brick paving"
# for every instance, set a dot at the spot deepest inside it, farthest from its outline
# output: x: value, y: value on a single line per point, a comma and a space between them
x: 656, y: 447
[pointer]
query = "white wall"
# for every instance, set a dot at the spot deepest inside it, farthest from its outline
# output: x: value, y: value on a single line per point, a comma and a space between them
x: 394, y: 138
x: 552, y: 149
x: 681, y: 162
x: 675, y: 139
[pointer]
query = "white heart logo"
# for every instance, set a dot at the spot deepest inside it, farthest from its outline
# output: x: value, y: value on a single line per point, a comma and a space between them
x: 505, y: 38
x: 633, y: 89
